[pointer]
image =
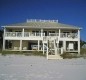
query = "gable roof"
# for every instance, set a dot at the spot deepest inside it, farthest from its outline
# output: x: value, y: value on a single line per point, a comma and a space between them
x: 54, y: 25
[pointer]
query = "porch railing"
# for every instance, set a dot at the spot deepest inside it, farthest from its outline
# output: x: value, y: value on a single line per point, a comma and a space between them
x: 20, y: 34
x: 29, y: 34
x: 68, y: 35
x: 13, y: 34
x: 53, y: 34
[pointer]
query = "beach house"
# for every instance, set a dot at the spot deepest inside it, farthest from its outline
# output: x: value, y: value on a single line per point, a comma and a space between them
x: 48, y: 36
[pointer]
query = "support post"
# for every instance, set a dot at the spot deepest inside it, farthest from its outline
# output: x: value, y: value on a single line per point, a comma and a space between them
x: 55, y: 48
x: 61, y: 50
x: 38, y: 45
x: 20, y: 45
x: 4, y: 39
x: 23, y: 32
x: 43, y: 48
x: 78, y: 41
x: 47, y: 49
x: 3, y: 43
x: 64, y: 45
x: 41, y: 32
x: 79, y: 47
x: 59, y: 32
x: 78, y: 34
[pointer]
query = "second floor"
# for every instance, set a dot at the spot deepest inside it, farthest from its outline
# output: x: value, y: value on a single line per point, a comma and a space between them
x: 38, y: 29
x: 40, y: 33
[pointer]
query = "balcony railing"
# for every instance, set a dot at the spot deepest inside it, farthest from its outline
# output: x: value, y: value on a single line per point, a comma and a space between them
x: 68, y: 35
x: 20, y: 34
x: 29, y: 34
x: 13, y: 34
x: 53, y: 34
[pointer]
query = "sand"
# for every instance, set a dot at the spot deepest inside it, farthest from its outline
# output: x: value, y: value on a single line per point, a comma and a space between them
x: 20, y: 67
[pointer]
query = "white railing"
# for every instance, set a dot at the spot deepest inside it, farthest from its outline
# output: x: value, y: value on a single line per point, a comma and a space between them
x: 53, y: 52
x: 68, y: 35
x: 13, y: 34
x: 20, y: 34
x: 53, y: 34
x: 45, y: 38
x: 29, y: 34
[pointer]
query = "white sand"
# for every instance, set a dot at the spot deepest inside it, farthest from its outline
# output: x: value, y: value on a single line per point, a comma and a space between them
x: 19, y: 67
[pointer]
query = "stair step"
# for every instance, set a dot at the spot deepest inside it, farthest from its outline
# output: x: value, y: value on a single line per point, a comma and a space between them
x: 54, y: 57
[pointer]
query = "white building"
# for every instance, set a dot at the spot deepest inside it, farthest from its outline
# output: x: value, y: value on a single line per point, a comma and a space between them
x: 42, y: 35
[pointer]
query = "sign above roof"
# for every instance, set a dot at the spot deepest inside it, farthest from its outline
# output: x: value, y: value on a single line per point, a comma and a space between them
x: 40, y: 20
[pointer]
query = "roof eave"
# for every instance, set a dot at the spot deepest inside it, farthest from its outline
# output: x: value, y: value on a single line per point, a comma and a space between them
x: 40, y: 27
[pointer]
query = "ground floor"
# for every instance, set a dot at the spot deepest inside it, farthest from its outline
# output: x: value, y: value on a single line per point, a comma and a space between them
x: 38, y: 45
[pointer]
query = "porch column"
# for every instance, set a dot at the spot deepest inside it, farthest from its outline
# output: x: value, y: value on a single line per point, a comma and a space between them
x: 55, y: 48
x: 78, y: 34
x: 38, y: 45
x: 4, y: 39
x: 43, y: 48
x: 20, y: 45
x: 64, y: 45
x: 23, y: 32
x: 79, y: 47
x: 59, y: 32
x: 57, y: 45
x: 41, y: 32
x: 78, y: 41
x: 47, y: 50
x: 3, y: 43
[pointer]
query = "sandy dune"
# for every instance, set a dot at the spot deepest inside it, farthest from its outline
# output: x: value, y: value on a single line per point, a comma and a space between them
x: 20, y: 67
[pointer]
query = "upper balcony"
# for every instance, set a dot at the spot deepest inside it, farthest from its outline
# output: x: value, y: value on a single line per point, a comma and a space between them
x: 39, y: 35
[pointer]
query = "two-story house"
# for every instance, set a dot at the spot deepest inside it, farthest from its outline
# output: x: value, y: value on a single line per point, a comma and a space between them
x: 42, y: 35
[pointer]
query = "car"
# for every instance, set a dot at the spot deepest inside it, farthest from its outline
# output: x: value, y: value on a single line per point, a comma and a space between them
x: 34, y: 47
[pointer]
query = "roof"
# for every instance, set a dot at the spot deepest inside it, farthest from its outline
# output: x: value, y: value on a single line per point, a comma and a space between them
x: 42, y: 24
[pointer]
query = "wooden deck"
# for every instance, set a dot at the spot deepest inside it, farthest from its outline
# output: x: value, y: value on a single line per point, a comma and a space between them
x: 54, y: 57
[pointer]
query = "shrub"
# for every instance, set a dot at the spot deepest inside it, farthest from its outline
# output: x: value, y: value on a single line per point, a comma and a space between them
x: 0, y: 51
x: 11, y: 52
x: 83, y: 51
x: 69, y: 55
x: 36, y: 53
x: 26, y: 53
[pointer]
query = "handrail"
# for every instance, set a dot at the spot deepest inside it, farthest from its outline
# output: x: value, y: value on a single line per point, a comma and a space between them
x: 21, y: 34
x: 28, y: 34
x: 53, y: 34
x: 68, y: 35
x: 13, y: 34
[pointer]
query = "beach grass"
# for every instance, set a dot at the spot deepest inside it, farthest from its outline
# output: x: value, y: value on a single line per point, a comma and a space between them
x: 26, y: 53
x: 66, y: 55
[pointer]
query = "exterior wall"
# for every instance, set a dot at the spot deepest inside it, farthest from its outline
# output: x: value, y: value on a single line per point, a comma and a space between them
x: 65, y: 30
x: 28, y: 30
x: 13, y: 30
x: 16, y: 44
x: 25, y: 45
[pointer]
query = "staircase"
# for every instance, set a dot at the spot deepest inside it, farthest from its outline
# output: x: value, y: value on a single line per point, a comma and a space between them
x: 53, y: 52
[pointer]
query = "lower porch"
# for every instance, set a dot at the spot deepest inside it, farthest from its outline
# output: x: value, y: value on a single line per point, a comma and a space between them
x: 37, y: 45
x: 23, y: 45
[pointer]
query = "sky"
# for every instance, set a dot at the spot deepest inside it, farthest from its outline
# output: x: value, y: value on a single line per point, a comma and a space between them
x: 72, y: 12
